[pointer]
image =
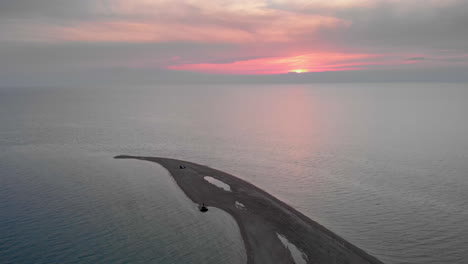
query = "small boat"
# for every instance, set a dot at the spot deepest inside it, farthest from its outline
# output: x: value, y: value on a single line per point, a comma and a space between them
x: 202, y: 208
x: 182, y: 167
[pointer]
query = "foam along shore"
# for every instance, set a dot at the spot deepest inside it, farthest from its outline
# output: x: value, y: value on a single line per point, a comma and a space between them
x: 262, y: 217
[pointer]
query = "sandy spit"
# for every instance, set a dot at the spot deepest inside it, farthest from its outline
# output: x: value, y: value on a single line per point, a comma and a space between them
x: 263, y: 218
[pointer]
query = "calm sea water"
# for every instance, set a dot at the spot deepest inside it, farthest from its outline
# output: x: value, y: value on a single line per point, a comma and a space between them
x: 383, y: 165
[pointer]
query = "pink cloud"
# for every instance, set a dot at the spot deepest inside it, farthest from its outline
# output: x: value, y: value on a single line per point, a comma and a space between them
x: 199, y: 21
x: 127, y: 31
x: 318, y: 62
x: 271, y: 33
x: 280, y: 29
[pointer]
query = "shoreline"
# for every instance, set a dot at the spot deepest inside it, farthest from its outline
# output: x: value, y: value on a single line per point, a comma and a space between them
x: 262, y: 218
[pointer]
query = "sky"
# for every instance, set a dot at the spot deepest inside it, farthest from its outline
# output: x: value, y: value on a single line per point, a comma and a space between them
x: 192, y: 40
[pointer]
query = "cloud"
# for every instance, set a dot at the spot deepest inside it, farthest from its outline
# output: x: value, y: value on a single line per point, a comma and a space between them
x: 447, y: 58
x: 416, y: 59
x: 319, y: 62
x: 411, y: 25
x: 60, y: 57
x: 47, y: 10
x: 352, y: 24
x: 333, y: 6
x: 191, y: 21
x: 221, y: 36
x: 321, y: 5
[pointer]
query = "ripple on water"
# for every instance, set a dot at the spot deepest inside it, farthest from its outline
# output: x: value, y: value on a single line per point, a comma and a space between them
x: 93, y: 209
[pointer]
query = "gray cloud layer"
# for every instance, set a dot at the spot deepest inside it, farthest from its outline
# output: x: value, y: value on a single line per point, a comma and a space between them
x: 430, y: 34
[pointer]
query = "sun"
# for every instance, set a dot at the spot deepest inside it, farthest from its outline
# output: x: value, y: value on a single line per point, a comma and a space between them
x: 299, y: 70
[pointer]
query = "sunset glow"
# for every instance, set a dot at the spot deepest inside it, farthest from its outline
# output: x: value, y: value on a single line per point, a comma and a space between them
x: 319, y: 62
x: 245, y: 37
x: 299, y: 71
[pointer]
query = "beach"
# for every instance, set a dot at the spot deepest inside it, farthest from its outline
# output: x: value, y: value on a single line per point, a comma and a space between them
x: 263, y: 219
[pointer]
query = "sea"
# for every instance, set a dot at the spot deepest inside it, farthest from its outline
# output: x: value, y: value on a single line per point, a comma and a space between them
x: 384, y: 165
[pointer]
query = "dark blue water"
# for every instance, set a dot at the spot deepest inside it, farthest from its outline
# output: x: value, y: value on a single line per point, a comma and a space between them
x: 64, y: 207
x: 383, y: 165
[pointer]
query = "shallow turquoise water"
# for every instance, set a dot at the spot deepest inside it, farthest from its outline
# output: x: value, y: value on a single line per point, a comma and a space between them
x: 383, y: 165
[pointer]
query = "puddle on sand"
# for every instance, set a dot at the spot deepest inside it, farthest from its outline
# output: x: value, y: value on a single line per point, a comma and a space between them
x: 218, y: 183
x: 239, y: 205
x: 298, y: 256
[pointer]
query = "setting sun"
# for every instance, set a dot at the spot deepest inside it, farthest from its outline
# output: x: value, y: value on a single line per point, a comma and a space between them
x: 299, y: 70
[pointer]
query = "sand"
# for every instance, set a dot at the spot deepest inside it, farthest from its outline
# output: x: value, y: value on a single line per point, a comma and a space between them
x: 262, y: 218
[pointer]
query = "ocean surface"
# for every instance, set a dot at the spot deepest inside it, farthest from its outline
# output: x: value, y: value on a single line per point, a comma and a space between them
x: 383, y: 165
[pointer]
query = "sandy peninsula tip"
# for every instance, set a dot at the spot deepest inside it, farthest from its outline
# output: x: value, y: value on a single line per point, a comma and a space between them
x: 273, y: 232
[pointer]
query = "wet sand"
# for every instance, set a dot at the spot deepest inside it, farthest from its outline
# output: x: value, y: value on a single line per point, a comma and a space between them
x: 262, y: 218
